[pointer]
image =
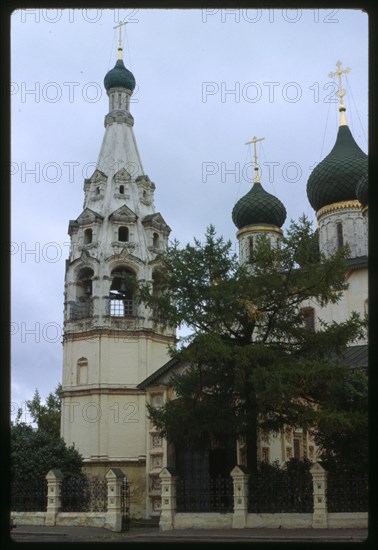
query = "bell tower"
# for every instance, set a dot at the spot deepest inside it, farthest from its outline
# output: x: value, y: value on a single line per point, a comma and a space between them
x: 111, y: 342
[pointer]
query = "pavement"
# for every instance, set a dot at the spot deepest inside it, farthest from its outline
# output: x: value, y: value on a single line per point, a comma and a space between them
x: 23, y: 533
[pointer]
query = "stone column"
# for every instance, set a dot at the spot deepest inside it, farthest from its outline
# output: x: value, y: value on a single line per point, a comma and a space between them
x: 319, y: 482
x: 168, y: 499
x: 240, y: 479
x: 54, y: 481
x: 114, y: 478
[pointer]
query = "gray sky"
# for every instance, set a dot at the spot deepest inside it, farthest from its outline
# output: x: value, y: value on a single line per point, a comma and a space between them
x: 207, y: 81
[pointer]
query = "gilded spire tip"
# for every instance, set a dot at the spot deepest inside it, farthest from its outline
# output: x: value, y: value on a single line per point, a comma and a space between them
x: 341, y: 93
x: 254, y: 140
x: 119, y: 26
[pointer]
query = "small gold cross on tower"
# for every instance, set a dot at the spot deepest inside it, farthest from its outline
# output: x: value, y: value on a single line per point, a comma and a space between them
x: 119, y: 26
x: 341, y: 93
x: 254, y: 140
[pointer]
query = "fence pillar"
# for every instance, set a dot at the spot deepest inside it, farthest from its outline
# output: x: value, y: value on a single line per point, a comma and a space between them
x: 319, y: 482
x: 54, y: 482
x: 114, y: 479
x: 240, y: 479
x: 168, y: 499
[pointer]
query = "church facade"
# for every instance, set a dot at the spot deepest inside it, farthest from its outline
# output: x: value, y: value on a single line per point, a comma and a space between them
x: 115, y: 358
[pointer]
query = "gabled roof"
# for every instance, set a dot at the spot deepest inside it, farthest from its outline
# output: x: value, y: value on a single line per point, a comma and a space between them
x: 157, y: 221
x: 153, y: 379
x: 89, y: 216
x: 123, y: 214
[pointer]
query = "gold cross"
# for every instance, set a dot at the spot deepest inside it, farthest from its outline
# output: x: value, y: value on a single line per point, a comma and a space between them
x: 254, y: 140
x: 119, y: 26
x: 341, y: 93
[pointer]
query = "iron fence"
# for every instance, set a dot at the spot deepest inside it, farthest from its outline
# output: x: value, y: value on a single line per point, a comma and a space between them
x: 204, y: 494
x: 347, y: 493
x: 82, y: 309
x: 84, y: 495
x: 29, y: 496
x: 285, y: 492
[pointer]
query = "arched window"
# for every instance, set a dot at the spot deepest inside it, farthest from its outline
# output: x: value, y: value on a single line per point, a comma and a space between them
x: 97, y: 190
x: 88, y: 236
x: 122, y: 189
x: 112, y: 101
x: 123, y: 234
x: 122, y: 292
x: 82, y: 371
x: 339, y: 234
x: 308, y: 314
x: 155, y: 240
x: 366, y: 307
x: 119, y: 101
x: 82, y: 307
x: 250, y: 243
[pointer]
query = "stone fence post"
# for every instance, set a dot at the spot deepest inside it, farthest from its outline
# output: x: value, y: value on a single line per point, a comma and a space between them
x: 240, y: 479
x: 168, y: 499
x: 54, y: 482
x: 114, y: 478
x: 319, y: 482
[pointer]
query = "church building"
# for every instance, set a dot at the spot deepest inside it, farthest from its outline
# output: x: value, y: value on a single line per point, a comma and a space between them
x: 115, y: 358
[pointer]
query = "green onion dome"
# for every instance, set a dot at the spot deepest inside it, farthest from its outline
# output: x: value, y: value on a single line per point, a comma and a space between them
x: 119, y: 77
x: 335, y: 178
x: 258, y: 207
x: 362, y: 191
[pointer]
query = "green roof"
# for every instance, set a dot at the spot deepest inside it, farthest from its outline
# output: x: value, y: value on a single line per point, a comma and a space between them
x: 258, y: 207
x: 119, y: 77
x: 335, y: 178
x: 362, y: 190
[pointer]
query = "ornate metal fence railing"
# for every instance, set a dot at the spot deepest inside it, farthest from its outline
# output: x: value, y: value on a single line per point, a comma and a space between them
x: 29, y: 496
x: 204, y: 494
x: 284, y: 492
x: 84, y: 495
x: 347, y: 493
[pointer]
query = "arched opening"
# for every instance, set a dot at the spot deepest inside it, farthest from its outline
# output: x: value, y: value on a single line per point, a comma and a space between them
x: 88, y: 236
x: 339, y: 235
x: 155, y: 240
x: 366, y: 307
x: 82, y: 307
x: 308, y: 314
x: 250, y: 245
x: 122, y: 292
x: 97, y: 190
x: 122, y: 189
x: 123, y: 234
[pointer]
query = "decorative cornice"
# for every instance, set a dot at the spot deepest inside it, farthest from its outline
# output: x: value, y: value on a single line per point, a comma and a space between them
x: 334, y: 207
x: 249, y: 228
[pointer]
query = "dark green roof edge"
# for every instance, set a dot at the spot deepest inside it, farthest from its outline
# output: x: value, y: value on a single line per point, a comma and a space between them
x: 155, y: 375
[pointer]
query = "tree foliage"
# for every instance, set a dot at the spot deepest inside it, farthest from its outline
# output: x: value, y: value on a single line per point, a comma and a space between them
x: 36, y: 451
x: 251, y: 362
x: 46, y: 416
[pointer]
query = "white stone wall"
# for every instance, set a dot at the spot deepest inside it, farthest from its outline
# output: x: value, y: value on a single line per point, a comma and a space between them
x: 354, y: 231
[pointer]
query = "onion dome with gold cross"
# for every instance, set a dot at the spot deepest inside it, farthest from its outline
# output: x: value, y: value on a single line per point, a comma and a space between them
x: 119, y: 76
x: 258, y: 207
x: 335, y: 178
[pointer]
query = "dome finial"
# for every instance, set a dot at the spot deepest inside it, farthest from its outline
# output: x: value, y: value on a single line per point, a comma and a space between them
x: 119, y: 26
x: 341, y: 93
x: 254, y: 140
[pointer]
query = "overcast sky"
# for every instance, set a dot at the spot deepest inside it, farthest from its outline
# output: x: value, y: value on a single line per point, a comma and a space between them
x: 207, y: 81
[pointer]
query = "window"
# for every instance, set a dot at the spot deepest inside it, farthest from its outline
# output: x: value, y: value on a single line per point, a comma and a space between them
x: 309, y: 318
x: 119, y: 101
x: 122, y: 189
x: 122, y: 293
x: 97, y: 190
x: 265, y: 454
x: 366, y: 307
x: 88, y: 236
x: 123, y: 234
x: 250, y: 242
x: 155, y: 241
x: 82, y: 371
x: 339, y: 235
x: 112, y: 101
x: 297, y: 444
